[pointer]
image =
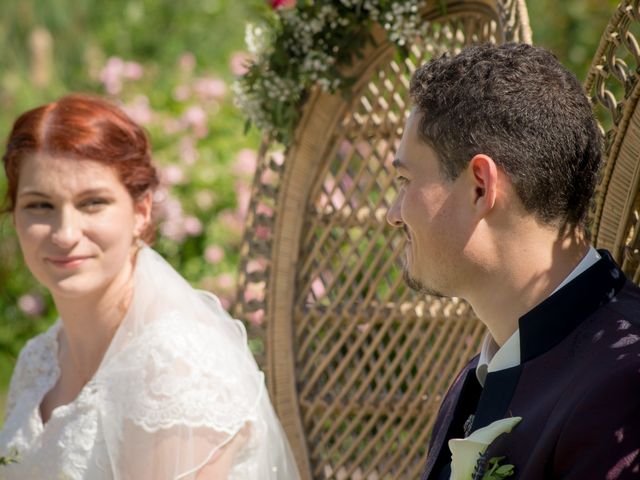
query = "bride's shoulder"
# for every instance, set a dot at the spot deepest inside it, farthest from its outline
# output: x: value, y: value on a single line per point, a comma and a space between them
x: 36, y: 360
x: 39, y: 350
x: 183, y: 370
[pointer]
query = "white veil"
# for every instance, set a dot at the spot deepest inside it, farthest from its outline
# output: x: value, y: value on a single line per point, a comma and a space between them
x: 183, y: 395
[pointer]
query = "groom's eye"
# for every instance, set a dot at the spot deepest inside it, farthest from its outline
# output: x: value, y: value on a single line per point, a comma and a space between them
x: 402, y: 181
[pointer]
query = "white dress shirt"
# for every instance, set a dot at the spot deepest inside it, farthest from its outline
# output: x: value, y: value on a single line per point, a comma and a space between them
x: 494, y: 358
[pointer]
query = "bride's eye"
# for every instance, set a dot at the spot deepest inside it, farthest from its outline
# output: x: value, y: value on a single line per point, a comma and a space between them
x: 38, y: 206
x: 94, y: 204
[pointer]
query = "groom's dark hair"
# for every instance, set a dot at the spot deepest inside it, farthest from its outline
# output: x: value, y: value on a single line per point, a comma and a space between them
x: 517, y: 104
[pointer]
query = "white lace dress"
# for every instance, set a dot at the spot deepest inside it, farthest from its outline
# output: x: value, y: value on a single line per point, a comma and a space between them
x: 176, y: 386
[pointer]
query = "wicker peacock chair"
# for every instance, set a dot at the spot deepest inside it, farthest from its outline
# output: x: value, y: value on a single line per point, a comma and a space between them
x: 612, y: 84
x: 356, y: 362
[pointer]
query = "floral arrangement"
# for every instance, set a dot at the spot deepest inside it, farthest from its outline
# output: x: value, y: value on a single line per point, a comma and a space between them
x: 306, y: 43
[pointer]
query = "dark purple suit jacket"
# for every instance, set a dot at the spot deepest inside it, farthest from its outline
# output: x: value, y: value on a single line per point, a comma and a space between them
x: 577, y: 388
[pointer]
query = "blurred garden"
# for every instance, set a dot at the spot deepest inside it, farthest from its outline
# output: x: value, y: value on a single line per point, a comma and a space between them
x: 171, y: 65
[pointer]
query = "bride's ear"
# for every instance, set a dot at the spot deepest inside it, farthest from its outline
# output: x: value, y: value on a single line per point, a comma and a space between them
x: 142, y: 210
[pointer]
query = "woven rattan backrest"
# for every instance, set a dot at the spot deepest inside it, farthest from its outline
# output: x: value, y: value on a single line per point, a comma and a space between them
x: 357, y: 363
x: 614, y: 89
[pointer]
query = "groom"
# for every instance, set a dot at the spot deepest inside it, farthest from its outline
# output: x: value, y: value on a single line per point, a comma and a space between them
x: 497, y: 167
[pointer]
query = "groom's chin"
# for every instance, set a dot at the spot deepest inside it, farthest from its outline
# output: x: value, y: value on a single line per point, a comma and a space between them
x: 415, y: 284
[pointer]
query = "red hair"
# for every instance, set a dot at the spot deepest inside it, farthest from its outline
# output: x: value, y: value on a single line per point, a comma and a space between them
x: 83, y: 127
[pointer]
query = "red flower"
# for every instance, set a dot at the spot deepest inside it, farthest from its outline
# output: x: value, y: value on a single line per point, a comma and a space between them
x: 276, y: 4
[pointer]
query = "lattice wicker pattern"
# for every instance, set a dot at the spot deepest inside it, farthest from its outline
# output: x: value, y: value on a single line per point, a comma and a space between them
x: 373, y: 358
x: 613, y: 87
x: 357, y: 363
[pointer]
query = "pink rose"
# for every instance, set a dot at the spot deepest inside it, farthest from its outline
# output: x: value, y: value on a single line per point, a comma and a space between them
x: 276, y: 4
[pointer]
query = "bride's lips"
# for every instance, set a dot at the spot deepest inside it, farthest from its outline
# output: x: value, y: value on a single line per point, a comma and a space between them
x: 67, y: 262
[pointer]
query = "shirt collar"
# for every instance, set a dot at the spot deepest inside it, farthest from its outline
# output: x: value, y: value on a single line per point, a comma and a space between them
x: 494, y: 358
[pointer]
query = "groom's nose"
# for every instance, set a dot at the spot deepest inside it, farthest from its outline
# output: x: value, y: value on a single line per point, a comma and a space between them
x: 393, y: 214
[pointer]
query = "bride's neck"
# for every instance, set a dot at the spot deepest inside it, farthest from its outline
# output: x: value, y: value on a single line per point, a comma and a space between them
x: 89, y: 322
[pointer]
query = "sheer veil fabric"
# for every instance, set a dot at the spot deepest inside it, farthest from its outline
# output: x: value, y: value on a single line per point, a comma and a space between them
x: 180, y: 388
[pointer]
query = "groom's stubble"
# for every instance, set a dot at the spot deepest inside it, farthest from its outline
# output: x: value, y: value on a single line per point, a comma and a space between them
x: 415, y: 284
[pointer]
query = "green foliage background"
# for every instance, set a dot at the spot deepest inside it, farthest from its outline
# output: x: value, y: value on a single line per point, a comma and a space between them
x: 165, y: 37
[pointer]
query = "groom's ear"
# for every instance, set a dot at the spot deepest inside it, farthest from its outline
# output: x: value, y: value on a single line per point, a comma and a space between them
x: 484, y: 178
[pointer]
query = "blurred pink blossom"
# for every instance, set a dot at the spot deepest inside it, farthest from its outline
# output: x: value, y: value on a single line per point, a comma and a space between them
x: 210, y: 88
x: 213, y: 254
x: 225, y: 301
x: 263, y: 209
x: 31, y: 304
x: 172, y: 174
x: 245, y: 162
x: 256, y: 265
x: 139, y: 110
x: 317, y: 287
x: 224, y: 281
x: 115, y: 70
x: 132, y: 71
x: 188, y: 151
x: 196, y: 118
x: 364, y: 149
x: 243, y: 197
x: 187, y: 62
x: 231, y: 221
x: 283, y: 3
x: 181, y: 93
x: 204, y: 199
x: 262, y: 232
x: 278, y: 157
x: 192, y: 226
x: 256, y: 318
x: 239, y: 63
x: 254, y: 292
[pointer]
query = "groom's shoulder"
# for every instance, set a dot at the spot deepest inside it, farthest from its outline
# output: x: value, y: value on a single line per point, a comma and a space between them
x: 626, y: 305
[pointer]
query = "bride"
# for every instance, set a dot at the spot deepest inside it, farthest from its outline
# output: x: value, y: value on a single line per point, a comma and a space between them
x: 141, y: 377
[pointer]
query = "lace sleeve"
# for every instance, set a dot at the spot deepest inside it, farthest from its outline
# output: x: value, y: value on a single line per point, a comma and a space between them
x: 35, y: 364
x: 182, y: 396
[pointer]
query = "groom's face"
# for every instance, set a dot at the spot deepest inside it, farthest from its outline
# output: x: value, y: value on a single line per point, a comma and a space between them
x: 427, y: 209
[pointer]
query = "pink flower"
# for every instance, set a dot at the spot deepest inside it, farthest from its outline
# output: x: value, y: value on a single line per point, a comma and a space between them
x: 196, y: 118
x: 188, y: 151
x: 181, y: 93
x: 213, y: 254
x: 239, y: 63
x: 245, y: 163
x: 139, y: 110
x: 132, y: 71
x: 225, y: 281
x: 172, y: 174
x: 204, y: 199
x: 31, y: 304
x: 231, y: 221
x: 283, y: 3
x: 187, y: 62
x: 256, y: 265
x: 111, y: 75
x: 192, y: 226
x: 256, y: 318
x: 210, y: 88
x: 243, y: 197
x: 115, y: 70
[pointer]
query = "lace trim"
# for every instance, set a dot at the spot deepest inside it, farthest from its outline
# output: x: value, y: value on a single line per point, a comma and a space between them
x: 181, y: 378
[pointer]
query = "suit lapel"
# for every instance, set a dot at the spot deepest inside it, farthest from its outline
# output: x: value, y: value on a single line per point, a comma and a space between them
x: 460, y: 402
x: 499, y: 388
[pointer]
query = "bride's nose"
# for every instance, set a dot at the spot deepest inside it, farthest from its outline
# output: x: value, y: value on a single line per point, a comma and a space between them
x: 66, y: 231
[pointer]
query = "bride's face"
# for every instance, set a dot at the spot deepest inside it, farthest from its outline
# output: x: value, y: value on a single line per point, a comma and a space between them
x: 76, y: 224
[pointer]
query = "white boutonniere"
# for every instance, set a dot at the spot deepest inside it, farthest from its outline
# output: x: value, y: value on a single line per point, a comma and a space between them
x: 466, y: 453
